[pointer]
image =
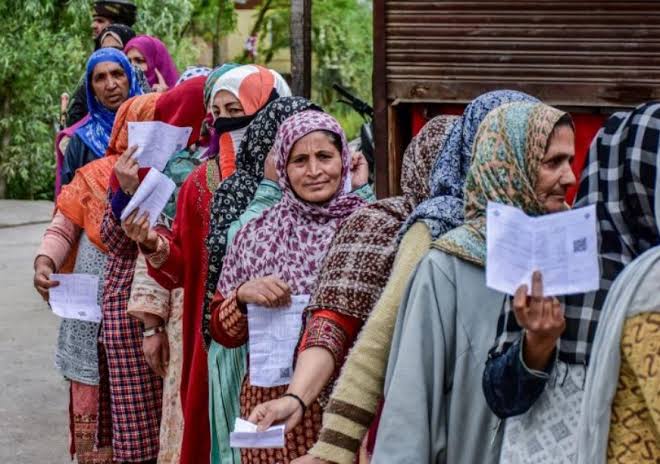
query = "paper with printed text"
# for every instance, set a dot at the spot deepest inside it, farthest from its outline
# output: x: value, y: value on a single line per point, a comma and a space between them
x: 157, y: 142
x: 75, y: 297
x: 273, y: 336
x: 245, y: 435
x: 562, y: 246
x: 151, y: 196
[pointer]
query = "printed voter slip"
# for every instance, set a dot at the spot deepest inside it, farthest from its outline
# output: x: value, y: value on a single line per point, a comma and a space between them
x: 157, y: 142
x: 562, y: 246
x: 273, y: 336
x: 245, y: 435
x: 151, y: 196
x: 76, y: 297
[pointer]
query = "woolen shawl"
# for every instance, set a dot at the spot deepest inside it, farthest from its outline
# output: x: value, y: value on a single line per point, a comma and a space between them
x: 360, y: 259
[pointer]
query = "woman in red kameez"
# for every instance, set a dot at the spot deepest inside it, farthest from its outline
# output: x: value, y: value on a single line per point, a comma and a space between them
x: 181, y: 259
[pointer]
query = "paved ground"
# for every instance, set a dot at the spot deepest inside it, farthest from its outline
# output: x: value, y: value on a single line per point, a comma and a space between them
x: 33, y: 403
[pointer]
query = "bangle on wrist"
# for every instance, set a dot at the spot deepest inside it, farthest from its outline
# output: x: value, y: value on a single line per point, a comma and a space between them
x: 303, y: 406
x: 151, y: 331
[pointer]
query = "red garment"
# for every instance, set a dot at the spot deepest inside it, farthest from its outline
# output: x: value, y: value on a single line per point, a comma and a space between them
x: 185, y: 266
x: 586, y: 127
x: 333, y: 331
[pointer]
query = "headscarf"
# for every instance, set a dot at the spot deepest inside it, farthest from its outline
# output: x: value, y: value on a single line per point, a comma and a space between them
x: 118, y: 11
x: 255, y: 87
x: 157, y: 57
x: 83, y: 200
x: 234, y: 194
x: 361, y: 256
x: 193, y: 71
x: 291, y: 239
x: 510, y: 144
x: 621, y: 179
x: 212, y: 78
x: 95, y: 133
x: 180, y: 106
x: 444, y: 210
x: 121, y: 32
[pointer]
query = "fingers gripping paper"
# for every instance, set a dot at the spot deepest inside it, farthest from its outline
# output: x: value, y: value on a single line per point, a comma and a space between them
x: 151, y: 196
x: 75, y: 297
x: 563, y: 246
x: 273, y: 335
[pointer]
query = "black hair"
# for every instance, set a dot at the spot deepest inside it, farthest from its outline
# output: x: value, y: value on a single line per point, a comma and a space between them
x: 335, y: 140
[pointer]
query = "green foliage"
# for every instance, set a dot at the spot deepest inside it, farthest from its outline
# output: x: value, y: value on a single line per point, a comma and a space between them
x: 342, y: 46
x: 43, y: 50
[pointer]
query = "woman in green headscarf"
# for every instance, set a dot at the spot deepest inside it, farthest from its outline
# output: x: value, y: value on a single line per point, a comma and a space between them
x: 448, y: 317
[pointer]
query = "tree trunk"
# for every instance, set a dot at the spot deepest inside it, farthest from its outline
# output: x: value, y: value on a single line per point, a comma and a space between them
x: 217, y: 34
x: 301, y: 47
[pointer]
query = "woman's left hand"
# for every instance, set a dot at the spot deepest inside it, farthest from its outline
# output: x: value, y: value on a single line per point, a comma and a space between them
x: 139, y: 230
x: 285, y: 410
x: 359, y: 170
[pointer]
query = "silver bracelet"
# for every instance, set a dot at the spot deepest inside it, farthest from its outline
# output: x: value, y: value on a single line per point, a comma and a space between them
x: 153, y: 331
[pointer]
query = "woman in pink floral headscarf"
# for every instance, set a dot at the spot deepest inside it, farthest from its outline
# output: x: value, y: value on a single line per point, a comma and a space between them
x: 278, y: 255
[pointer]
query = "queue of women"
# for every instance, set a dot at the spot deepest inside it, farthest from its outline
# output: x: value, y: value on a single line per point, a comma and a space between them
x: 405, y: 355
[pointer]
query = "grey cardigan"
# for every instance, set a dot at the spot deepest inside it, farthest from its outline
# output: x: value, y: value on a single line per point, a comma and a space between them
x: 435, y: 410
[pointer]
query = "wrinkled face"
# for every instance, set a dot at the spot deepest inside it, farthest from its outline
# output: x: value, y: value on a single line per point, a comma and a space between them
x: 226, y: 105
x: 110, y: 84
x: 110, y: 41
x: 555, y: 175
x: 314, y: 168
x: 98, y: 24
x: 137, y: 59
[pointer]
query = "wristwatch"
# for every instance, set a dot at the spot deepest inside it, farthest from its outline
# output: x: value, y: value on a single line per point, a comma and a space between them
x: 151, y: 331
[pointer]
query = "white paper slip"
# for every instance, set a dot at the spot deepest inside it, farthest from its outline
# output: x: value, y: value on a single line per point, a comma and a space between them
x: 273, y: 336
x: 75, y: 297
x: 562, y: 246
x: 245, y: 435
x: 151, y: 196
x: 157, y: 142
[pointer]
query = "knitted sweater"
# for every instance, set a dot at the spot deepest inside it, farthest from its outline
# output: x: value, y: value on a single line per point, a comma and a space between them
x: 355, y: 397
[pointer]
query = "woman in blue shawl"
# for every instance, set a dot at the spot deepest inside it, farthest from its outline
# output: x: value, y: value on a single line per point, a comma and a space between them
x: 109, y: 81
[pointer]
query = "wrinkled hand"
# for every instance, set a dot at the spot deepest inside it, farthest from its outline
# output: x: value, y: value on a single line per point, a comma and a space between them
x: 309, y: 459
x: 43, y: 268
x: 541, y: 317
x: 269, y: 291
x: 284, y: 410
x: 126, y: 170
x: 157, y: 352
x: 161, y: 85
x: 359, y: 170
x: 139, y: 230
x: 270, y: 166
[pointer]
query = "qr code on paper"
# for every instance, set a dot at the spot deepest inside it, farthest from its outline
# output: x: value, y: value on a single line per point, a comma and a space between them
x: 285, y: 373
x: 580, y: 245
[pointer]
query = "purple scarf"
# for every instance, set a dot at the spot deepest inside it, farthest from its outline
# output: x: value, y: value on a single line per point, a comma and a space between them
x: 157, y: 57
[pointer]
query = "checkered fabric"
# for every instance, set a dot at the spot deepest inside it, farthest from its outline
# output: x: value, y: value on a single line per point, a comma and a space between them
x: 135, y: 391
x: 619, y: 178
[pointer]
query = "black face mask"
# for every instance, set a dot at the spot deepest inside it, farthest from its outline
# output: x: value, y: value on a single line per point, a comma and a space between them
x: 223, y: 125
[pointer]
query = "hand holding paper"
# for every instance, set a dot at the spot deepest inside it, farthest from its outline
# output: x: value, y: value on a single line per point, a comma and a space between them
x: 151, y: 196
x: 562, y: 246
x: 245, y: 435
x: 76, y: 297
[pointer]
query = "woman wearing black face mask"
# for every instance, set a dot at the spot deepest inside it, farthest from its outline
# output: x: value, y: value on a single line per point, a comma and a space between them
x: 240, y: 92
x: 236, y: 99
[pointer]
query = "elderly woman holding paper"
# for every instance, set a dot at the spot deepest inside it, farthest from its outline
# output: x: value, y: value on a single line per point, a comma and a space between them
x: 278, y: 255
x: 447, y: 316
